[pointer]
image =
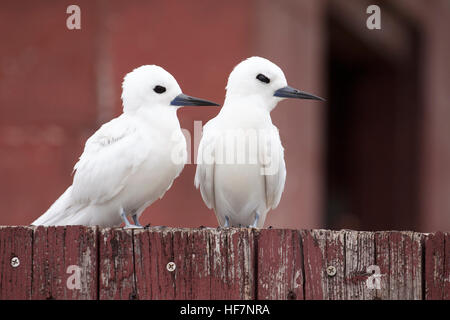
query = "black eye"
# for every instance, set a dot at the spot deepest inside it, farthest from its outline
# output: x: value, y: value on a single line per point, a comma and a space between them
x: 262, y: 78
x: 159, y: 89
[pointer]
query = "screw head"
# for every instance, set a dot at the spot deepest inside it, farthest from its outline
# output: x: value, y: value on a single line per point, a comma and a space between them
x: 171, y: 266
x: 15, y: 262
x: 331, y: 271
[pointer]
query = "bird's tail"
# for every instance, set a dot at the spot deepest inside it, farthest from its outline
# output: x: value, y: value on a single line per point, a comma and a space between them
x: 59, y: 211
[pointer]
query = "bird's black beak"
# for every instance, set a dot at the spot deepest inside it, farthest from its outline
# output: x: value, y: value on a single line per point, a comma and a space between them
x: 185, y: 100
x: 289, y: 92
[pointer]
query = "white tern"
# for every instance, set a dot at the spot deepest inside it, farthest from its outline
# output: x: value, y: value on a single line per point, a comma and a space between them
x: 240, y: 165
x: 131, y: 161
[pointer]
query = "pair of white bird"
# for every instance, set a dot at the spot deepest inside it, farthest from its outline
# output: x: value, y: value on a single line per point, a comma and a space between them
x: 129, y: 162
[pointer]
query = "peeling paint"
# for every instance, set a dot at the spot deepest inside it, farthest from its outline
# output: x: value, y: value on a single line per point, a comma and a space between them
x: 222, y: 263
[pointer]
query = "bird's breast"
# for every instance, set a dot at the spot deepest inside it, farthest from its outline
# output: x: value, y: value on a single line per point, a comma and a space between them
x: 239, y: 189
x: 164, y: 162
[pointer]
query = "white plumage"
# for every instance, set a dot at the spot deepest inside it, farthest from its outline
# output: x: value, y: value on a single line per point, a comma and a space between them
x: 130, y: 161
x: 241, y: 192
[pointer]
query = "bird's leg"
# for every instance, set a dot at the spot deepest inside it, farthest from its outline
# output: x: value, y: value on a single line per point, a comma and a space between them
x: 136, y: 221
x: 124, y: 218
x: 255, y: 223
x: 128, y: 225
x: 227, y: 222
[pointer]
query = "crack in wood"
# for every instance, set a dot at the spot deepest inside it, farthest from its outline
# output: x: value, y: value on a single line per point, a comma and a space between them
x: 221, y: 263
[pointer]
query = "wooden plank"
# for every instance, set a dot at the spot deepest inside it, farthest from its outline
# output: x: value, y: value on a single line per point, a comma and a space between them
x: 210, y: 264
x: 225, y: 264
x: 447, y: 268
x: 382, y: 260
x: 348, y: 254
x: 334, y: 256
x: 15, y: 282
x: 437, y: 266
x: 153, y: 250
x: 324, y: 249
x: 192, y: 276
x: 232, y: 260
x: 116, y: 265
x: 280, y: 265
x: 185, y: 250
x: 313, y: 265
x: 399, y: 256
x: 64, y: 263
x: 359, y: 261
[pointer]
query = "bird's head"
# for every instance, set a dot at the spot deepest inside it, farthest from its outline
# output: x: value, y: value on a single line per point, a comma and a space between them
x: 150, y: 85
x: 262, y: 78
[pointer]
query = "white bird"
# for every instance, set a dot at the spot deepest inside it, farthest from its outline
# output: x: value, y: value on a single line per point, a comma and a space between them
x: 130, y: 161
x: 240, y: 168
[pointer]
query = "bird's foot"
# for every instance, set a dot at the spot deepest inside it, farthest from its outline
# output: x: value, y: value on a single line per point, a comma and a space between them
x: 227, y: 222
x: 255, y: 223
x: 136, y: 221
x: 128, y: 225
x: 132, y: 226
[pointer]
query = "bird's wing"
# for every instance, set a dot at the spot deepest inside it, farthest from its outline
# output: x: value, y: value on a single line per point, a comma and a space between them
x: 273, y: 167
x: 110, y: 156
x: 204, y: 175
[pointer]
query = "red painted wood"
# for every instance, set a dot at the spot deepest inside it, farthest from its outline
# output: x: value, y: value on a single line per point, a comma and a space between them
x: 399, y: 256
x: 334, y: 254
x: 447, y: 267
x: 56, y: 250
x: 323, y: 249
x: 221, y: 263
x: 232, y: 260
x: 15, y: 283
x: 280, y: 265
x: 210, y: 264
x: 359, y: 256
x: 437, y: 266
x: 116, y: 265
x: 153, y: 251
x: 313, y: 265
x: 191, y: 256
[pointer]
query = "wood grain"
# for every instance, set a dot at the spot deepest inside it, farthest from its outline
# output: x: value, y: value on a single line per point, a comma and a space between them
x: 55, y: 249
x: 313, y: 264
x: 228, y: 263
x: 280, y: 265
x: 15, y: 283
x: 399, y: 256
x: 437, y: 266
x: 359, y: 257
x: 232, y: 260
x: 323, y: 249
x: 116, y: 264
x: 210, y: 264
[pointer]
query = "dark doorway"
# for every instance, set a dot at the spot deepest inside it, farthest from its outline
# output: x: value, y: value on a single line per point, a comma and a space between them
x: 373, y: 131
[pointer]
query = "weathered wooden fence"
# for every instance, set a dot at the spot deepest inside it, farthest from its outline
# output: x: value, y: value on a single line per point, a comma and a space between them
x: 165, y: 263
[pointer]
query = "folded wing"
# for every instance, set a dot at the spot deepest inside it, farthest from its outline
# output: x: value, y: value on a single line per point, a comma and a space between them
x: 204, y: 175
x: 273, y: 167
x: 109, y: 158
